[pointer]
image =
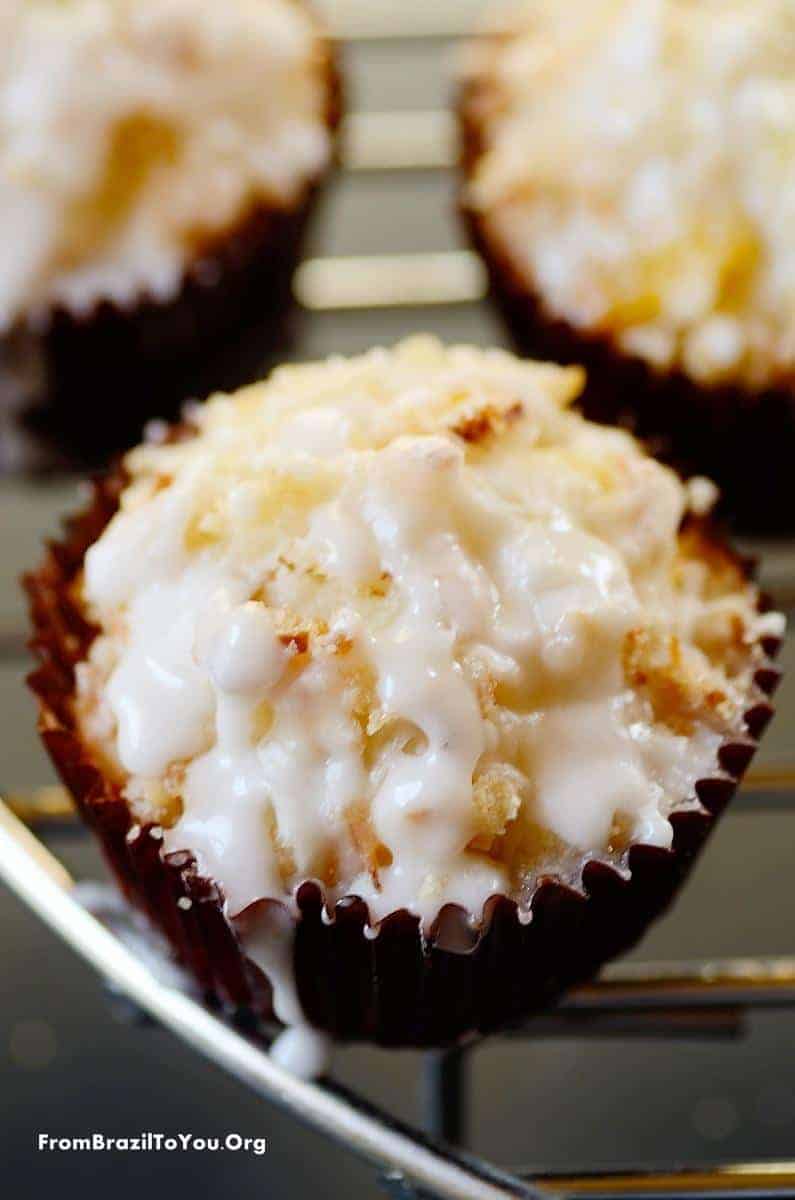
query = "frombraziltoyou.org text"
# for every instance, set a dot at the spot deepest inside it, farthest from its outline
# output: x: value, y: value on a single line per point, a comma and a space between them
x: 152, y: 1143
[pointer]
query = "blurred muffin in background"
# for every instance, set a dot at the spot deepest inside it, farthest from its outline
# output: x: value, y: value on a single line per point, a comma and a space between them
x: 158, y: 163
x: 630, y: 181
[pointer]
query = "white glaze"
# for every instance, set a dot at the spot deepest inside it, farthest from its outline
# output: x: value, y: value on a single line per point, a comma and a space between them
x: 302, y: 1051
x: 343, y: 625
x: 268, y: 936
x: 210, y: 107
x: 267, y: 933
x: 640, y: 171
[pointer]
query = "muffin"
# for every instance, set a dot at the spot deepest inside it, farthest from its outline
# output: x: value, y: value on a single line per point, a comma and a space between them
x: 630, y: 181
x: 399, y: 695
x: 159, y: 160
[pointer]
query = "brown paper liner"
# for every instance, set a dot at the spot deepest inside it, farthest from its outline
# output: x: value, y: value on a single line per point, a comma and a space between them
x: 398, y: 988
x: 742, y: 439
x: 77, y: 388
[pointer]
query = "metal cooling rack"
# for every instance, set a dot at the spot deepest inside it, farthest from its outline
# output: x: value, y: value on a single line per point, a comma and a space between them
x: 677, y: 1001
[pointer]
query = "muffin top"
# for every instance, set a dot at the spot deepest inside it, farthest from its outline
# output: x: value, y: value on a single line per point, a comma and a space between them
x: 637, y: 166
x: 133, y: 133
x: 408, y: 625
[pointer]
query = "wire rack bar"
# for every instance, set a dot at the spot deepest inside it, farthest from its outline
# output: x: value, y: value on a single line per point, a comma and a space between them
x: 443, y: 1096
x: 399, y: 141
x: 761, y: 982
x: 732, y: 1179
x: 361, y: 20
x: 390, y: 281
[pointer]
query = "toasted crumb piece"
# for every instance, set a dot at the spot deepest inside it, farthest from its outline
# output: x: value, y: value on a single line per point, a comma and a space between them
x: 482, y: 680
x: 620, y: 835
x: 723, y: 637
x: 261, y: 721
x: 680, y: 686
x: 326, y: 867
x: 381, y: 586
x: 297, y: 633
x: 204, y: 528
x: 361, y: 683
x: 480, y: 423
x: 284, y: 857
x: 497, y: 799
x: 158, y: 800
x: 298, y: 640
x: 527, y: 850
x: 374, y: 854
x: 723, y: 575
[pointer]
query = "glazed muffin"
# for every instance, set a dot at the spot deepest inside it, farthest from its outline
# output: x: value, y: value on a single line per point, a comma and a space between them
x: 629, y: 181
x: 396, y: 683
x: 158, y: 163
